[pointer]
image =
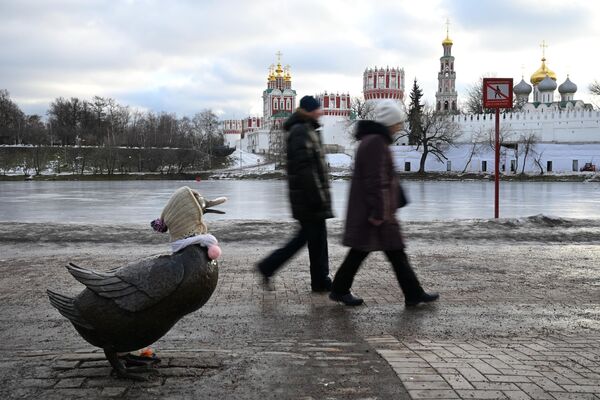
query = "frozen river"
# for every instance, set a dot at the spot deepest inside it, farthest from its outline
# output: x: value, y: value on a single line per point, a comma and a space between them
x: 141, y: 201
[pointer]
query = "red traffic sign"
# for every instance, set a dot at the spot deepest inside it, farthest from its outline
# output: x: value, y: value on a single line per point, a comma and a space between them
x: 497, y: 92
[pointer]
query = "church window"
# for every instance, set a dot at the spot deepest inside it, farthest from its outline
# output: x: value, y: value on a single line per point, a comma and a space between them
x: 275, y: 105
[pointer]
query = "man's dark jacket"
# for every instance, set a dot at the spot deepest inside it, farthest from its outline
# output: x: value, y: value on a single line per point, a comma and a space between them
x: 308, y: 178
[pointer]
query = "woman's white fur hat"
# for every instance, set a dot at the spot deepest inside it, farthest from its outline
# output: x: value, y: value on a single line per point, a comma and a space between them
x: 389, y: 113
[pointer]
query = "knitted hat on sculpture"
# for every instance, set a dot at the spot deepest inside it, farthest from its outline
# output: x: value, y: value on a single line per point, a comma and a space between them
x: 183, y: 214
x: 389, y: 113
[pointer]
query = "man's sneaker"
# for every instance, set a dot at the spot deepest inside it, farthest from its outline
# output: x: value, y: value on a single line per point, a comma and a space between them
x: 348, y: 299
x: 424, y: 298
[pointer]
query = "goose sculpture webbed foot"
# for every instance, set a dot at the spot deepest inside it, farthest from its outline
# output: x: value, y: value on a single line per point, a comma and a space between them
x: 121, y: 369
x: 132, y: 360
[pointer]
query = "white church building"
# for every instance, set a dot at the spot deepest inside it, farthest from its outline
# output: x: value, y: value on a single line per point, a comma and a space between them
x: 547, y: 132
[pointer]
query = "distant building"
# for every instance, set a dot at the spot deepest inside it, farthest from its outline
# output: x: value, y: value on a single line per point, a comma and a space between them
x: 446, y: 95
x: 335, y: 121
x: 563, y: 133
x: 232, y: 131
x: 383, y: 83
x: 279, y: 102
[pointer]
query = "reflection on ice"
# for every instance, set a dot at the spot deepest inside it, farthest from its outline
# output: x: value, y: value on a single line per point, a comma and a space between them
x: 139, y: 202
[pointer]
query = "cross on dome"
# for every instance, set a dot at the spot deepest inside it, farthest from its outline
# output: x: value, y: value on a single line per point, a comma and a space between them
x: 543, y: 46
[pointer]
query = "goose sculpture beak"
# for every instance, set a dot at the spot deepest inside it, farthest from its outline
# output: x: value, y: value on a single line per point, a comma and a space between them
x: 207, y: 204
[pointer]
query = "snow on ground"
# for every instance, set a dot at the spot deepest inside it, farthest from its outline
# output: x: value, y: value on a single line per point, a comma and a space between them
x: 338, y: 160
x: 245, y: 159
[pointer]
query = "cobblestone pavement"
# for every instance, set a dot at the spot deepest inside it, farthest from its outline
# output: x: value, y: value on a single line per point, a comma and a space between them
x: 555, y: 367
x: 267, y: 369
x: 515, y: 320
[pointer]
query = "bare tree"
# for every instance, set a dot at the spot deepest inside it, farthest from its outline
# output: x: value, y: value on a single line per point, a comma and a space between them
x: 277, y: 146
x: 474, y: 100
x: 360, y: 109
x: 527, y: 144
x: 437, y: 134
x: 12, y: 120
x: 472, y: 151
x: 537, y: 159
x: 595, y: 88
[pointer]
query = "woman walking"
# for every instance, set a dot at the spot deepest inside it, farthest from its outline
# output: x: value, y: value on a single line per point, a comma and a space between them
x: 371, y: 223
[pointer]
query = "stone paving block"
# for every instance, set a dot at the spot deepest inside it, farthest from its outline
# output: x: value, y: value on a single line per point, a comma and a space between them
x: 495, y: 386
x: 566, y: 372
x: 582, y: 388
x: 574, y: 396
x: 481, y: 394
x: 433, y: 394
x: 546, y: 384
x: 111, y: 382
x: 65, y: 365
x: 496, y: 363
x: 113, y: 391
x: 557, y: 378
x: 69, y: 383
x: 420, y: 378
x: 457, y: 381
x: 408, y: 385
x: 71, y: 393
x: 534, y: 391
x: 37, y: 383
x: 524, y: 370
x: 85, y: 373
x: 516, y: 395
x: 86, y: 356
x: 484, y: 368
x: 507, y: 378
x: 586, y: 382
x: 471, y: 374
x: 409, y: 370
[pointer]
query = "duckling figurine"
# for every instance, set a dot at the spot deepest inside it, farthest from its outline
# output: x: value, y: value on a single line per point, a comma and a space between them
x: 131, y: 307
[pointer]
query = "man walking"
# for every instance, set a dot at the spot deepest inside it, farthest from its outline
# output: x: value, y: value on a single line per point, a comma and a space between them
x: 308, y: 184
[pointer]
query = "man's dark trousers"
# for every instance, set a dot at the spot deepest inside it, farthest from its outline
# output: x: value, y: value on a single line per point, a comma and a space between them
x: 313, y: 232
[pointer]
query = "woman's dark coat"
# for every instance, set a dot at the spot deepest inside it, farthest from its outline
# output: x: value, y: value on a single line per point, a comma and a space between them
x: 374, y: 193
x: 308, y: 179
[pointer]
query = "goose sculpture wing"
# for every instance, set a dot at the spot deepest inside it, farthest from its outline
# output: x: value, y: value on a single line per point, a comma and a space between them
x: 134, y: 287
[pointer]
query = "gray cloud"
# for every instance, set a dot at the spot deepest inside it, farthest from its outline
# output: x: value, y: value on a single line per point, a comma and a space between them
x: 183, y: 56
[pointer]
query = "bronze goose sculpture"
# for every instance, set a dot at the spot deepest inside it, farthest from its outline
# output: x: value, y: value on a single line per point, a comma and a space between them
x: 130, y: 307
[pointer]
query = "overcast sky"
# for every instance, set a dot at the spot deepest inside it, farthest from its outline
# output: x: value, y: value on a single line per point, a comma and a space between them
x: 185, y: 56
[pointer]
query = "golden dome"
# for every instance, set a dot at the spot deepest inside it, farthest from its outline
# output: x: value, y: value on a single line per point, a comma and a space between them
x: 279, y: 70
x: 271, y: 73
x: 447, y: 41
x: 541, y: 73
x: 287, y: 76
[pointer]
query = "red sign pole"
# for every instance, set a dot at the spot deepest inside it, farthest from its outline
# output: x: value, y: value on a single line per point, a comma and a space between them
x: 497, y: 168
x: 497, y: 93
